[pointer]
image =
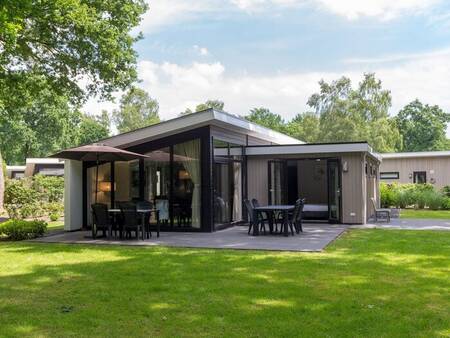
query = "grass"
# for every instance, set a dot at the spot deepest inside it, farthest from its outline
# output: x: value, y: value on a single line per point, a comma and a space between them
x: 369, y: 283
x: 55, y: 225
x: 430, y: 214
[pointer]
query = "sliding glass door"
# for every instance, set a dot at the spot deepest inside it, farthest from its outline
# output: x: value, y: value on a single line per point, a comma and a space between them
x: 277, y: 182
x: 334, y: 191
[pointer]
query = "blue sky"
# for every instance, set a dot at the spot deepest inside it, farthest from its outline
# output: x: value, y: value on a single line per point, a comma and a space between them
x: 272, y: 53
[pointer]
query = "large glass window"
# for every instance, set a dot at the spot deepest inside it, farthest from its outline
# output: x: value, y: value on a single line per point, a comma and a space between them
x: 186, y: 184
x: 103, y: 187
x: 227, y: 176
x: 157, y: 182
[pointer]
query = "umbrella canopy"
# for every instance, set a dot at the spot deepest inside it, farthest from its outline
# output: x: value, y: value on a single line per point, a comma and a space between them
x: 97, y: 152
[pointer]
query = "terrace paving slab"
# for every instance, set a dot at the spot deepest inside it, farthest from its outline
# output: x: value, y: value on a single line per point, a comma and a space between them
x: 314, y: 238
x: 408, y: 224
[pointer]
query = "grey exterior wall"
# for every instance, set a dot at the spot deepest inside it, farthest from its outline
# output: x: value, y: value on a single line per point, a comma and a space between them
x: 356, y: 187
x: 437, y: 169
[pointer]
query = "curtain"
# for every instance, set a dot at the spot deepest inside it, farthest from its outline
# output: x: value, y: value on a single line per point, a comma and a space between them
x: 190, y: 158
x: 237, y: 192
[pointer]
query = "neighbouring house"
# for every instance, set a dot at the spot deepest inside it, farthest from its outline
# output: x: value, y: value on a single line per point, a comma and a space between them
x: 416, y: 167
x: 34, y: 166
x: 201, y: 167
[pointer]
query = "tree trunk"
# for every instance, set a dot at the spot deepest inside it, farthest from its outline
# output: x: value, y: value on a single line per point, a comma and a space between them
x: 2, y: 184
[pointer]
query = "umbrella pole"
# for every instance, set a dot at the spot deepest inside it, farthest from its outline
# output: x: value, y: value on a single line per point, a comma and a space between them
x: 96, y: 181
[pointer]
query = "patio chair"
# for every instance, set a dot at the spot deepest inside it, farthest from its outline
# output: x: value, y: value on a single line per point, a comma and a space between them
x: 146, y: 226
x: 102, y: 220
x: 296, y: 217
x: 131, y: 219
x: 253, y: 221
x: 383, y: 213
x: 264, y: 216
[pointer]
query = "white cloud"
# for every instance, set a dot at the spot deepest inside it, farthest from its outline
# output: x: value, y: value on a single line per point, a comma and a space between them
x: 177, y: 87
x: 202, y: 51
x: 384, y: 9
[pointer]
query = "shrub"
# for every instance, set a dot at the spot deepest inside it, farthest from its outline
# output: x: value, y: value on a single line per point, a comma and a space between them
x: 446, y: 190
x: 387, y: 195
x: 420, y: 198
x: 445, y: 203
x: 434, y: 200
x: 21, y: 201
x: 54, y: 217
x: 34, y: 197
x: 50, y: 188
x: 18, y: 230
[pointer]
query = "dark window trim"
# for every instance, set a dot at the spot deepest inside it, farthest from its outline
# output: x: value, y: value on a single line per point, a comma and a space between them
x: 396, y: 173
x: 417, y: 173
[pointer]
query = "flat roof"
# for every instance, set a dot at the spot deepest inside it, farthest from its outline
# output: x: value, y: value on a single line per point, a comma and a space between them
x: 416, y: 154
x: 35, y: 160
x: 196, y: 120
x: 312, y: 148
x: 15, y: 168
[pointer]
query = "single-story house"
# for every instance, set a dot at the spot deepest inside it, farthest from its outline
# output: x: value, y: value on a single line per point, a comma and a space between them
x: 201, y: 167
x: 416, y: 167
x: 34, y: 166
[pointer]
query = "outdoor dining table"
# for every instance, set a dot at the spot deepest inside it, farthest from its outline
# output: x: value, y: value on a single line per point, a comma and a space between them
x: 284, y: 209
x: 142, y: 212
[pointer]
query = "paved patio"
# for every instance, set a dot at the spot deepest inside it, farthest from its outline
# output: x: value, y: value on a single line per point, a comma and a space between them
x: 408, y: 224
x: 314, y: 238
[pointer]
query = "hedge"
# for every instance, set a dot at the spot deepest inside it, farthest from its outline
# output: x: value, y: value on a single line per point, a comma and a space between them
x: 18, y: 230
x: 419, y: 196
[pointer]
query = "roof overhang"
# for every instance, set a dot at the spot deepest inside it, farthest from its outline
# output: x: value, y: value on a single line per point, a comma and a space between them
x: 43, y: 161
x: 15, y: 168
x: 324, y: 148
x: 417, y: 154
x: 197, y: 120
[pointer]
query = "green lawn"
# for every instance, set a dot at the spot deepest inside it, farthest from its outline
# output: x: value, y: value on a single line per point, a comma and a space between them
x: 56, y: 225
x: 369, y: 283
x: 431, y: 214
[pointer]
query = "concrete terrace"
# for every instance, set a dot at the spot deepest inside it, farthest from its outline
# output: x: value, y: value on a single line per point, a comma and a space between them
x: 315, y: 237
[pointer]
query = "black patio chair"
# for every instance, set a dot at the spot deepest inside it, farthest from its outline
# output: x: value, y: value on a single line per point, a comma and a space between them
x: 149, y: 206
x: 253, y: 221
x: 264, y: 216
x: 296, y: 217
x: 131, y: 219
x: 102, y: 220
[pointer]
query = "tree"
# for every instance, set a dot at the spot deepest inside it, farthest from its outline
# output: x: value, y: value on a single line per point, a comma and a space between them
x: 93, y: 128
x: 266, y: 118
x: 137, y: 110
x: 68, y: 41
x: 423, y: 127
x: 37, y: 127
x: 305, y: 127
x: 2, y: 183
x: 348, y: 114
x: 215, y: 104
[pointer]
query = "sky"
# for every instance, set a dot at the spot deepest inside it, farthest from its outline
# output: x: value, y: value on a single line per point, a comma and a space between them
x: 273, y: 53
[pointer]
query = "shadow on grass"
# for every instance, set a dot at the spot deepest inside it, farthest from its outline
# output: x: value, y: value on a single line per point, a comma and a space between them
x: 369, y: 283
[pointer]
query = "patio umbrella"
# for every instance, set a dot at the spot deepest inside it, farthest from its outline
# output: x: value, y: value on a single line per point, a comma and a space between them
x: 97, y: 153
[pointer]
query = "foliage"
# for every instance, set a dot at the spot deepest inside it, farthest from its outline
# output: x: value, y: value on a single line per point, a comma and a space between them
x: 43, y: 125
x: 18, y: 230
x: 34, y: 197
x: 66, y: 41
x: 137, y: 110
x: 446, y: 203
x: 367, y: 283
x: 266, y: 118
x: 215, y: 104
x: 446, y: 190
x: 2, y: 181
x: 305, y: 127
x: 93, y: 128
x: 348, y: 114
x: 407, y: 195
x: 423, y: 127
